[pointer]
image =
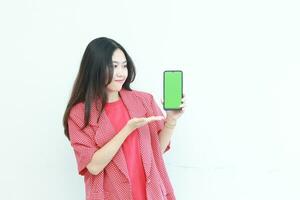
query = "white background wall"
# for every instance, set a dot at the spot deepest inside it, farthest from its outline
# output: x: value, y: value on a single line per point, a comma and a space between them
x: 239, y: 137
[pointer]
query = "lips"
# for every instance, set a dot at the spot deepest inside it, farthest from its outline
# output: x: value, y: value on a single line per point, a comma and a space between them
x: 120, y: 80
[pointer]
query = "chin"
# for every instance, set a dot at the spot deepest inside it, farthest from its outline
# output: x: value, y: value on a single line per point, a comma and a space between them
x: 114, y: 88
x: 117, y: 89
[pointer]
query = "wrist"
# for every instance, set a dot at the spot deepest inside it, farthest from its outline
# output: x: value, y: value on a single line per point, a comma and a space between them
x: 171, y: 121
x: 170, y: 124
x: 128, y: 129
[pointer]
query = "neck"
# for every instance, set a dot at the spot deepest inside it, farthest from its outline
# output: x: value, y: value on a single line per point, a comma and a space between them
x: 112, y: 96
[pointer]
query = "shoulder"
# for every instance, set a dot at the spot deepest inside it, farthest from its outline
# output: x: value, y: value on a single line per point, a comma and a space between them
x: 77, y: 112
x: 142, y: 95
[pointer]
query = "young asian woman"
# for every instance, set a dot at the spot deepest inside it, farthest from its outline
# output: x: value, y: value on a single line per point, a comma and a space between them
x: 118, y: 134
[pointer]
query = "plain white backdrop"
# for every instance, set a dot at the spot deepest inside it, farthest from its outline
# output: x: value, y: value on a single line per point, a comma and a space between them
x: 239, y: 137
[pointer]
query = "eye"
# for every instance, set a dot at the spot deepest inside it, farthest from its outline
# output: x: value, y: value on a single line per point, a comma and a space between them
x: 115, y: 66
x: 125, y: 66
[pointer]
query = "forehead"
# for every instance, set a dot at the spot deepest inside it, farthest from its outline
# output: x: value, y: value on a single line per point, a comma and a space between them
x: 118, y: 56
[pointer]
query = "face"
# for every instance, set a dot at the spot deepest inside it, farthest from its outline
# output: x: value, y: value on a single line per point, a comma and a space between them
x: 120, y: 71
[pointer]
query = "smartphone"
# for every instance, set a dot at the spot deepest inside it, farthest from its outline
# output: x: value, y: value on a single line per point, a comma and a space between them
x: 173, y: 89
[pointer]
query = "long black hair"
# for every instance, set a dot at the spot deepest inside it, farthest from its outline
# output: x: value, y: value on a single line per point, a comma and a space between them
x: 95, y: 73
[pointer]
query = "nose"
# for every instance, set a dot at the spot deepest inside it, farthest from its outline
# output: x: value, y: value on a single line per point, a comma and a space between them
x: 119, y: 71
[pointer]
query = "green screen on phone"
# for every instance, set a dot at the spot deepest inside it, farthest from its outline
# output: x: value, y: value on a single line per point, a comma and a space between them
x: 172, y: 89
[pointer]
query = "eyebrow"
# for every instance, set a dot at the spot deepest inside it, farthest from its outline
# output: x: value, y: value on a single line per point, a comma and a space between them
x: 120, y: 62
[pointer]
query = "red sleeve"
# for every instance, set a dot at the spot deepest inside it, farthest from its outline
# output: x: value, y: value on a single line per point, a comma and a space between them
x: 82, y: 142
x: 159, y: 125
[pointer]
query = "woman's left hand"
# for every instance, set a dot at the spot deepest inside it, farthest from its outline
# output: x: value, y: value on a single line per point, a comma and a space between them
x: 173, y: 115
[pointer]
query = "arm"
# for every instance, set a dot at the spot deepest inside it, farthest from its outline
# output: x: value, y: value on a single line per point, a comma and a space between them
x: 166, y: 129
x: 105, y: 154
x: 166, y: 134
x: 88, y: 155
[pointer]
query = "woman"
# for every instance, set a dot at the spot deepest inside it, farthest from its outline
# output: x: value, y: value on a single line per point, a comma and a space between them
x: 118, y: 134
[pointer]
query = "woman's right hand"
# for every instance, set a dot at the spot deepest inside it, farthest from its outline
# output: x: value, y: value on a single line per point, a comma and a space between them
x: 135, y: 123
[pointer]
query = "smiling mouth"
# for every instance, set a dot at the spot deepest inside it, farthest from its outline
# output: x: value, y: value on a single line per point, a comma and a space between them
x: 120, y: 80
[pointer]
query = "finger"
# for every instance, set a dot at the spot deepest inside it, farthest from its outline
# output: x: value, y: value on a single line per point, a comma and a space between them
x: 154, y: 118
x: 182, y: 105
x: 146, y: 119
x: 158, y: 118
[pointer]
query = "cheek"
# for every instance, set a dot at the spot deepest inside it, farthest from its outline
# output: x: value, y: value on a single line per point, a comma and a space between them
x: 114, y: 75
x: 111, y: 86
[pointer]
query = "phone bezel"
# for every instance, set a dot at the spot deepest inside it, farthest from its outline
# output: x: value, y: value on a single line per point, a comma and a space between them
x: 166, y: 71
